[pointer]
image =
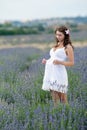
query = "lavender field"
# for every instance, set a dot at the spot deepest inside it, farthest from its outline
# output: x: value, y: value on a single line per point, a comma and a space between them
x: 25, y: 106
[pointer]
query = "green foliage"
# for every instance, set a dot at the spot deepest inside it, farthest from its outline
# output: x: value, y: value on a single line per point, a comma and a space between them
x: 9, y: 30
x: 29, y: 60
x: 74, y: 85
x: 21, y: 115
x: 40, y: 27
x: 2, y: 121
x: 6, y: 95
x: 15, y: 31
x: 50, y: 30
x: 75, y: 30
x: 10, y: 77
x: 25, y: 66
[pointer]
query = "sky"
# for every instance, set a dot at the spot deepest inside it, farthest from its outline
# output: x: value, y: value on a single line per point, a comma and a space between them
x: 41, y: 9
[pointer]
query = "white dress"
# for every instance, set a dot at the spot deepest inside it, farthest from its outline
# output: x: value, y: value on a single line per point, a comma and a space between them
x: 55, y: 76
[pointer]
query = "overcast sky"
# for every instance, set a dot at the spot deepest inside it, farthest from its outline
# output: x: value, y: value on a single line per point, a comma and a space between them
x: 40, y: 9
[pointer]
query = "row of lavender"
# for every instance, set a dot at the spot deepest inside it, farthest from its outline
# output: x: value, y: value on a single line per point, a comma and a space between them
x: 24, y: 106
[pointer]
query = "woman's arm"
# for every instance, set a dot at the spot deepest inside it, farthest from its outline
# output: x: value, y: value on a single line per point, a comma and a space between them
x: 70, y: 54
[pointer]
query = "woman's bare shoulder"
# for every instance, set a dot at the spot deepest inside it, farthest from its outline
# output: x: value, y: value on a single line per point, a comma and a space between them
x: 68, y: 47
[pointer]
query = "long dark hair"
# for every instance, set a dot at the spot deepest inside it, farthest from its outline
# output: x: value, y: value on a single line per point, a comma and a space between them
x: 66, y: 33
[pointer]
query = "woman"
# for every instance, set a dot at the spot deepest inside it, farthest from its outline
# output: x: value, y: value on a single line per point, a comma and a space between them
x: 55, y: 78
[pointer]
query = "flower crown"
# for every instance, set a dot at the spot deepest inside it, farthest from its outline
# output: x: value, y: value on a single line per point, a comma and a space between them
x: 67, y: 31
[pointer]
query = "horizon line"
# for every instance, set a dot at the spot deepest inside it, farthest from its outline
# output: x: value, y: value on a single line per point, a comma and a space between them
x: 3, y: 20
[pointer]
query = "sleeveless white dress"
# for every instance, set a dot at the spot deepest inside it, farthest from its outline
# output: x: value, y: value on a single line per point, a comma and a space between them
x: 55, y: 76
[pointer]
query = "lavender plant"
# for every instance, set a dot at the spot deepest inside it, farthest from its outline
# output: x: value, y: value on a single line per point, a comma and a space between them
x: 24, y: 106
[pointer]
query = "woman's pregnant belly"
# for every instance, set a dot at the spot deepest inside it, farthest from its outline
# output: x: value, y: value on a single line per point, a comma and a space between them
x: 50, y: 61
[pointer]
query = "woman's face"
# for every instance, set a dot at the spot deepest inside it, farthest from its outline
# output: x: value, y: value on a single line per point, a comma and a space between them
x: 60, y: 36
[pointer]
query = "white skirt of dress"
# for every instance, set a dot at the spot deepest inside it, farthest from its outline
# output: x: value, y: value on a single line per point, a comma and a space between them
x: 55, y: 77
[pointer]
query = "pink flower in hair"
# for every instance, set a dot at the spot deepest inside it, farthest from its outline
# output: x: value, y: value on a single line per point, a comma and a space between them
x: 67, y: 31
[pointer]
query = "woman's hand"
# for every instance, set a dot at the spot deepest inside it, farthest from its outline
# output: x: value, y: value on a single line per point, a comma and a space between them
x: 44, y: 61
x: 56, y: 62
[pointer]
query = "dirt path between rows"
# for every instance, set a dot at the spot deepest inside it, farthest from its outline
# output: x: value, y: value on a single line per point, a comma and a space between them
x: 41, y: 46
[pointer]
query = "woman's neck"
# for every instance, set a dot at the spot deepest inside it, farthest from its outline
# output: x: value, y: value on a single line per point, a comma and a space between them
x: 60, y: 44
